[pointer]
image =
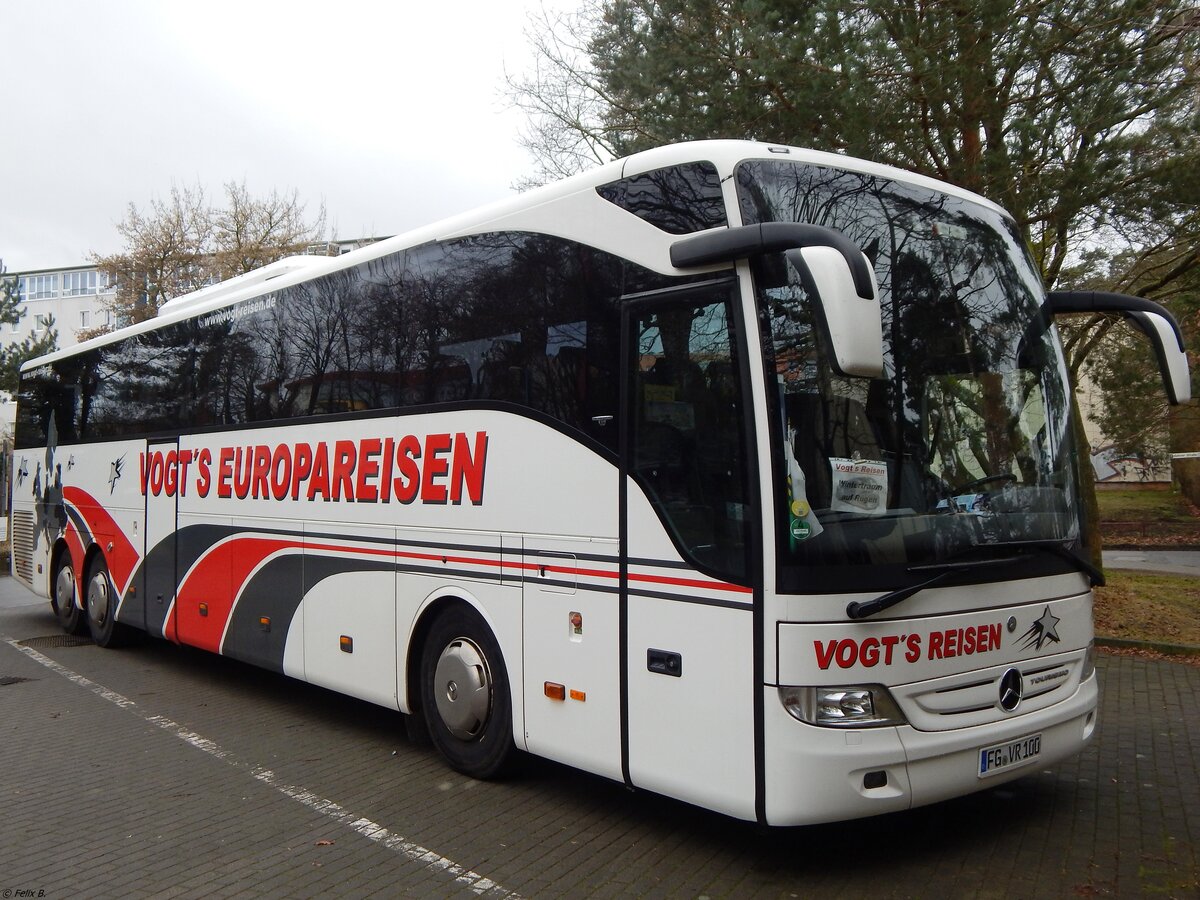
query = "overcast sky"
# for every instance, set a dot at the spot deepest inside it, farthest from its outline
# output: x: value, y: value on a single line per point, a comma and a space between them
x: 392, y: 114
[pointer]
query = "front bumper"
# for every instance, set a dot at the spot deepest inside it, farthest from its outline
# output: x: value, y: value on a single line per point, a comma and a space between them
x: 820, y: 774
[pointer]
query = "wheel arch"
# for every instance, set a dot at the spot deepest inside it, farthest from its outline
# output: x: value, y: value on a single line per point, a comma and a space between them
x: 61, y: 546
x: 89, y: 556
x: 428, y: 614
x: 496, y: 725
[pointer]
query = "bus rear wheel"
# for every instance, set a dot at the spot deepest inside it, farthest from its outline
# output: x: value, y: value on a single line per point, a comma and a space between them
x: 465, y: 694
x: 66, y: 605
x: 100, y: 602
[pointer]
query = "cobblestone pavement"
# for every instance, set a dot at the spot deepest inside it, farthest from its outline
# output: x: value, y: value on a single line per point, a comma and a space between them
x: 162, y: 771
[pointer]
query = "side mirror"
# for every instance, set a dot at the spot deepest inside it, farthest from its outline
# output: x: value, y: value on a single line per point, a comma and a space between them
x: 852, y: 323
x: 1150, y: 318
x: 1168, y: 346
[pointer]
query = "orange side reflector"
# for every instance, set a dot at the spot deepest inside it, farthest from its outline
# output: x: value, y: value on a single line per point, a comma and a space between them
x: 578, y: 695
x: 204, y: 609
x: 346, y: 643
x: 556, y: 691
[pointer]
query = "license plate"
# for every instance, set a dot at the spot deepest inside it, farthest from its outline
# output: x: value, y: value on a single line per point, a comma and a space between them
x: 1009, y: 755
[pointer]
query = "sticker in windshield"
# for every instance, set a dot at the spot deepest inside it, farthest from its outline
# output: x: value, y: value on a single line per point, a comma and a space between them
x: 859, y: 486
x: 802, y: 521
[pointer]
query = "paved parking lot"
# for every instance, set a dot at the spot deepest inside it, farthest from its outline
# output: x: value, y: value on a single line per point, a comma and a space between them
x: 163, y: 771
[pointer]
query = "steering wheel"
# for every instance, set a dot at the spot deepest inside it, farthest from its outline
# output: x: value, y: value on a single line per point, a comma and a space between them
x: 1003, y: 477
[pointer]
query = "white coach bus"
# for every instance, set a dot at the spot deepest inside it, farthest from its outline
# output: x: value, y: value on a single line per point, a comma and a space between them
x: 735, y: 472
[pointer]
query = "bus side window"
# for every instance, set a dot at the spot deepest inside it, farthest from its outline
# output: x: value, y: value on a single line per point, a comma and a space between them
x: 688, y: 422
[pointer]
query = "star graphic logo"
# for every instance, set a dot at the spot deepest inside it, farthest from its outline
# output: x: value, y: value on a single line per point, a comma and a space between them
x: 114, y: 473
x: 1043, y: 631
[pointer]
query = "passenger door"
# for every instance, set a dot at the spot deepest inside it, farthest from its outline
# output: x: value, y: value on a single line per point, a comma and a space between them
x: 151, y: 609
x: 688, y: 552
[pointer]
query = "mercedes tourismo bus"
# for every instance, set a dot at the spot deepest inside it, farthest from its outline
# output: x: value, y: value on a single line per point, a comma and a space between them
x: 657, y: 472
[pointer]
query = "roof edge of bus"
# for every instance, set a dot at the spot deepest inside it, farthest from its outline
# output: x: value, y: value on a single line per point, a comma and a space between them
x: 278, y: 274
x: 268, y: 272
x: 722, y: 153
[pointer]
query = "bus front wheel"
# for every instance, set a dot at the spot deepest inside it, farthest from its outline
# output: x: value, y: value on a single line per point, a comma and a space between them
x: 70, y: 616
x: 100, y: 603
x: 465, y: 694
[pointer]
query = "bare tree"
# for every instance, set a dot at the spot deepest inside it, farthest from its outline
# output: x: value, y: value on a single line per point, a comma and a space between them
x: 563, y: 96
x: 183, y: 243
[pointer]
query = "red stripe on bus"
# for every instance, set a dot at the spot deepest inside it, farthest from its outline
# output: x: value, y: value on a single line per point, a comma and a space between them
x: 75, y: 546
x: 220, y: 576
x: 215, y: 581
x: 525, y: 566
x: 119, y: 554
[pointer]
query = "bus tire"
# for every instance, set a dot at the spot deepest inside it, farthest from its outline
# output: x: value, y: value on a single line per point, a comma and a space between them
x: 100, y: 603
x: 70, y: 616
x: 465, y: 695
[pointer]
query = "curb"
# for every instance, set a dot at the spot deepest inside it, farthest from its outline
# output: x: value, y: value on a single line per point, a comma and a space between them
x: 1121, y: 545
x: 1126, y: 644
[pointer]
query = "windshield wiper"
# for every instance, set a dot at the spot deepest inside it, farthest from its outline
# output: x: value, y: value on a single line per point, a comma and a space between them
x: 1060, y: 550
x: 943, y: 570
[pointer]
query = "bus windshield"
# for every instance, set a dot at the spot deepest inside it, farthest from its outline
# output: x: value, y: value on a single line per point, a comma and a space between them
x: 963, y: 449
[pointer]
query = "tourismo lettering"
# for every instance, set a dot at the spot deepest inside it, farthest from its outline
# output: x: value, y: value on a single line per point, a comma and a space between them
x: 440, y: 469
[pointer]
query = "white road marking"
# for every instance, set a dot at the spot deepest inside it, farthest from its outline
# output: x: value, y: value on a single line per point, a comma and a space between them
x: 365, y: 827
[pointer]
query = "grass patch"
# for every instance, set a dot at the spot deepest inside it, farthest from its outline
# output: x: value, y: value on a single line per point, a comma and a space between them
x: 1148, y: 606
x: 1145, y: 506
x: 1130, y: 518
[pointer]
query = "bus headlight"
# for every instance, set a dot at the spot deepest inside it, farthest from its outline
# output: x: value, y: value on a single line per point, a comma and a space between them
x: 842, y: 706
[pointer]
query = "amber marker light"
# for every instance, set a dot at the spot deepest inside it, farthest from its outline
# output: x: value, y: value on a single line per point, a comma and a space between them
x: 556, y: 691
x: 346, y: 643
x: 578, y: 695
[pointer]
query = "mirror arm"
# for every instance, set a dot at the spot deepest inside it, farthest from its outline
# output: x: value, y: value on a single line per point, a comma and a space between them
x: 1147, y: 316
x: 729, y: 244
x: 1106, y: 301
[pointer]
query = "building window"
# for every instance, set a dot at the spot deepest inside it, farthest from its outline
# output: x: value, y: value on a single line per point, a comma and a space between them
x: 84, y: 316
x: 78, y: 284
x: 39, y: 322
x: 39, y: 287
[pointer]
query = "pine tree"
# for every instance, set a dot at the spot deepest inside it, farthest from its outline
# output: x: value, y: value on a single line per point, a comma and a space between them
x: 13, y: 356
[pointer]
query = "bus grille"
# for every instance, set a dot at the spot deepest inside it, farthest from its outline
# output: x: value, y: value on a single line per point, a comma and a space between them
x: 22, y: 544
x: 972, y: 698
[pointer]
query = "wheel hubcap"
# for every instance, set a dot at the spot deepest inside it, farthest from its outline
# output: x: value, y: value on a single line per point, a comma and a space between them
x: 463, y: 689
x: 97, y: 598
x: 64, y: 590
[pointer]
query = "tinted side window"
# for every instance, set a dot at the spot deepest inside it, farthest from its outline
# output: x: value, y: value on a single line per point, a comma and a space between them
x: 137, y: 386
x: 521, y: 318
x: 47, y: 408
x: 679, y: 199
x: 513, y: 317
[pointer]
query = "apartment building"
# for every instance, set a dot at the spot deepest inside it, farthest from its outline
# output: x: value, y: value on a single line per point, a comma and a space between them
x: 73, y: 298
